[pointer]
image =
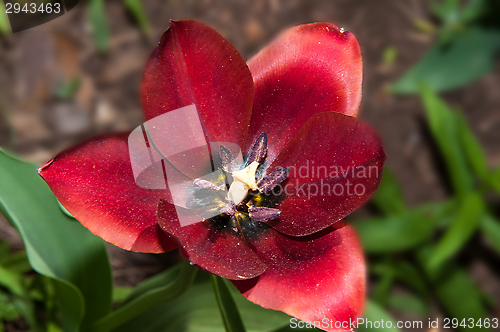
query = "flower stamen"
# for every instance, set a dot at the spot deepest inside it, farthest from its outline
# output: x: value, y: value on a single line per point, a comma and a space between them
x: 263, y: 214
x: 258, y: 150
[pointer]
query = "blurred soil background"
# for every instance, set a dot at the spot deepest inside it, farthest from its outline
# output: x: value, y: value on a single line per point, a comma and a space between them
x: 37, y: 120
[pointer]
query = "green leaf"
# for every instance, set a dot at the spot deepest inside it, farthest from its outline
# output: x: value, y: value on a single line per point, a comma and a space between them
x: 495, y: 180
x: 490, y: 228
x: 99, y: 24
x: 394, y: 233
x: 473, y: 150
x: 466, y: 57
x: 375, y: 313
x: 444, y: 128
x: 196, y: 310
x: 408, y: 303
x: 4, y: 249
x: 383, y: 287
x: 409, y: 274
x: 390, y: 55
x: 403, y: 271
x: 4, y: 20
x: 17, y: 262
x: 456, y: 292
x: 57, y: 246
x: 389, y: 197
x: 442, y: 212
x: 26, y: 308
x: 473, y: 10
x: 121, y: 293
x: 67, y: 91
x: 446, y: 10
x: 227, y: 307
x: 7, y: 309
x: 465, y: 223
x: 146, y: 301
x: 12, y: 281
x: 136, y: 9
x: 157, y: 281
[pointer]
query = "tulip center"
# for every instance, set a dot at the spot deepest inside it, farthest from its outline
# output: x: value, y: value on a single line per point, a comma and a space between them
x: 249, y: 201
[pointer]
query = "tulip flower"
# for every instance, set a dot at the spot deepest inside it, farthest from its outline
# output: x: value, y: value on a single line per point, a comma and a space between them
x: 276, y: 228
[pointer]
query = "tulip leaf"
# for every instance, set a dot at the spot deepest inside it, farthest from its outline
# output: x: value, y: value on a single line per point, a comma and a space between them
x: 408, y: 303
x: 7, y: 309
x: 446, y: 10
x: 376, y: 314
x: 99, y: 24
x: 56, y: 245
x: 389, y: 55
x: 121, y: 293
x: 455, y: 290
x: 444, y: 128
x: 68, y: 90
x: 381, y: 291
x: 17, y: 262
x: 466, y: 56
x: 160, y: 280
x: 4, y: 19
x: 228, y: 309
x: 12, y: 281
x: 473, y: 150
x: 136, y: 9
x: 495, y: 180
x: 196, y: 310
x: 389, y: 197
x: 147, y: 300
x: 490, y: 228
x: 464, y: 225
x: 450, y: 13
x: 395, y: 232
x: 26, y: 309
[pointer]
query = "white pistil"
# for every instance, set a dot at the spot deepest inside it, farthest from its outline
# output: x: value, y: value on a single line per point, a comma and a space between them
x: 247, y: 175
x: 244, y: 180
x: 237, y: 192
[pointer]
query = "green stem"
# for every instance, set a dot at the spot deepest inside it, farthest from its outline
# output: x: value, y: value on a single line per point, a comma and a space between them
x: 148, y: 300
x: 229, y: 311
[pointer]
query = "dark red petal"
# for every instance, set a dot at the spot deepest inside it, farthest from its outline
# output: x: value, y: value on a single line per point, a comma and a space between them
x: 335, y: 166
x: 94, y: 181
x: 220, y: 252
x: 309, y: 69
x: 317, y: 277
x: 193, y: 64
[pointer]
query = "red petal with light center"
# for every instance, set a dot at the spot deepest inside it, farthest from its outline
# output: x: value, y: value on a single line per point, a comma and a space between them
x: 193, y: 64
x: 309, y: 69
x: 335, y: 166
x: 94, y: 181
x: 311, y: 278
x: 220, y: 252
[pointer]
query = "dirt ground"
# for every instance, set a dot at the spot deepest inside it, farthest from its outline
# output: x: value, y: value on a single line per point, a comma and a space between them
x: 35, y: 125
